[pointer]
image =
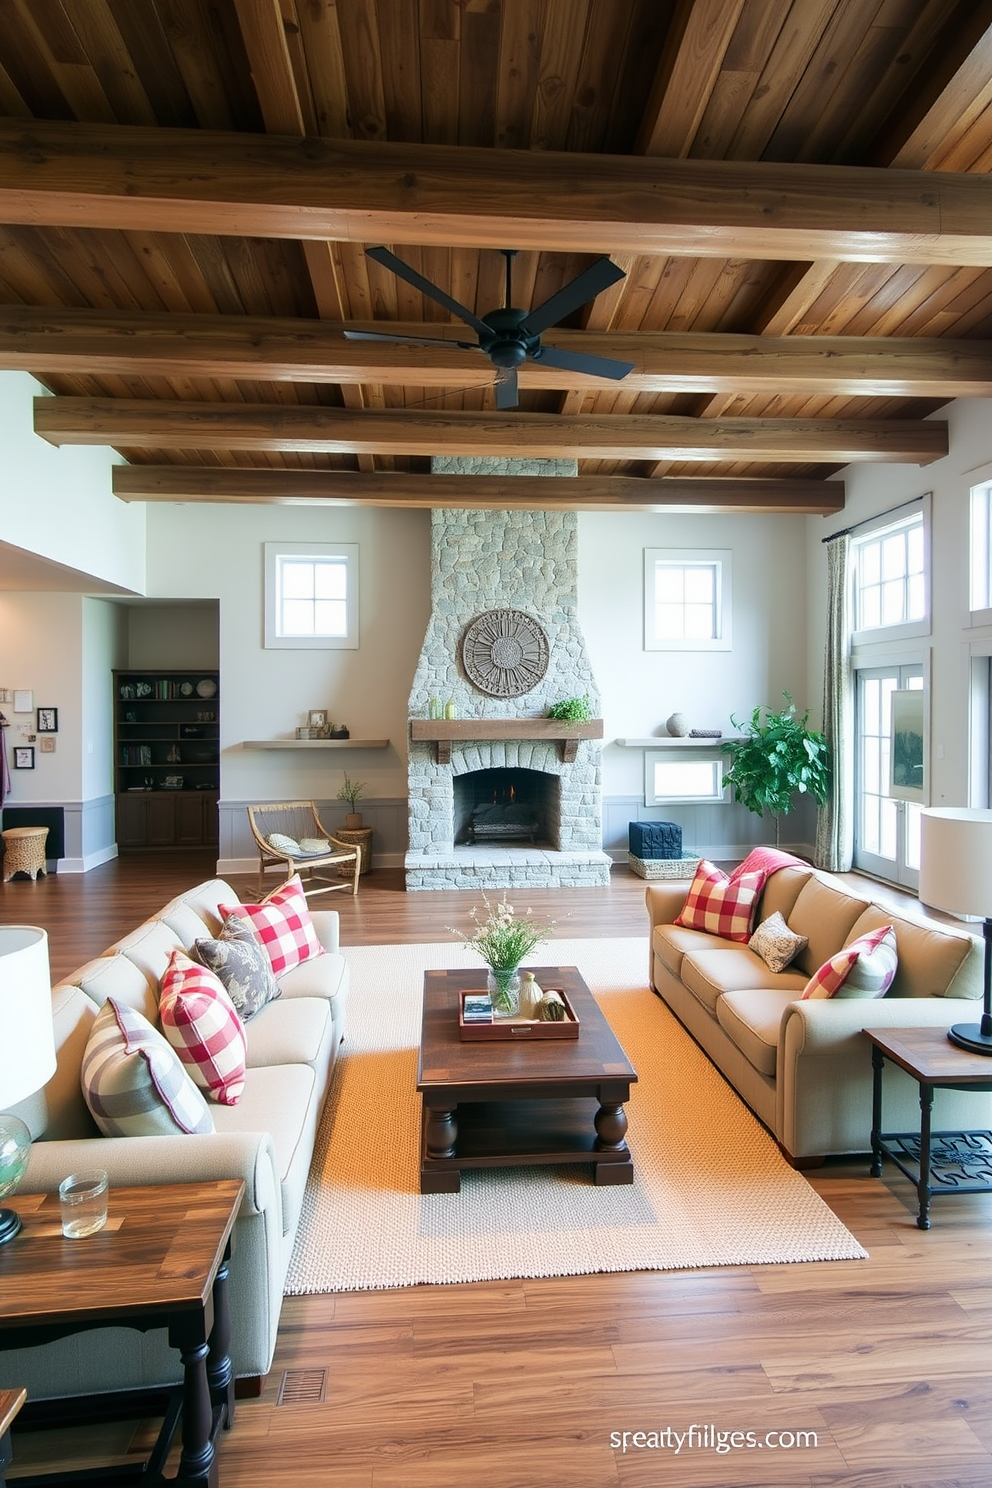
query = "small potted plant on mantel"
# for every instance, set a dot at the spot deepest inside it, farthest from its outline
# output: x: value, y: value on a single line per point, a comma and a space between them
x: 352, y: 792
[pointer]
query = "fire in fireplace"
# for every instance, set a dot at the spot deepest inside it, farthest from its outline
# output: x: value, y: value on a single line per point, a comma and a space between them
x: 506, y: 805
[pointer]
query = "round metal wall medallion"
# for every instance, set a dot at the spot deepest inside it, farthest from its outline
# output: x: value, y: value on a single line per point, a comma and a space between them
x: 505, y: 652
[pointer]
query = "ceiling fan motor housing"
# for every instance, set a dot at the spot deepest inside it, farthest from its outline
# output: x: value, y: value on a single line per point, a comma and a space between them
x: 507, y: 345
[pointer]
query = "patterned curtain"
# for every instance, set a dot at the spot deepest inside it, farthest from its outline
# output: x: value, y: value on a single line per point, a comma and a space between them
x: 835, y: 821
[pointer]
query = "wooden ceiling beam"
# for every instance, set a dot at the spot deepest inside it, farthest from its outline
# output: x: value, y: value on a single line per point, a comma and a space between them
x: 89, y: 342
x: 170, y: 483
x: 133, y: 423
x: 207, y: 181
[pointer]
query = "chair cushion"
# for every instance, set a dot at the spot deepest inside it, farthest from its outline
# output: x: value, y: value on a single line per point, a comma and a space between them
x: 721, y: 905
x: 775, y: 943
x: 199, y: 1021
x: 864, y: 968
x: 239, y: 959
x: 752, y: 1018
x: 282, y: 923
x: 133, y: 1081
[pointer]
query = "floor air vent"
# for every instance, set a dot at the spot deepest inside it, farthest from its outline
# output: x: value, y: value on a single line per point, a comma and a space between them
x: 302, y: 1387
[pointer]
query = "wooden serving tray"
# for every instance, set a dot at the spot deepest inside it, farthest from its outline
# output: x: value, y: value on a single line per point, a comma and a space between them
x: 517, y: 1030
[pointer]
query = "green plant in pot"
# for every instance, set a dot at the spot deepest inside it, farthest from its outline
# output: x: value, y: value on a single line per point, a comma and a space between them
x: 776, y: 759
x: 352, y: 791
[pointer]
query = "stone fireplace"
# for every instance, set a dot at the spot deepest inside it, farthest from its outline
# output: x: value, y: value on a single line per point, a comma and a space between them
x: 506, y: 797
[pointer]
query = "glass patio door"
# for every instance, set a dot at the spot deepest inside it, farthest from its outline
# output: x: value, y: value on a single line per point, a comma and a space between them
x: 886, y: 831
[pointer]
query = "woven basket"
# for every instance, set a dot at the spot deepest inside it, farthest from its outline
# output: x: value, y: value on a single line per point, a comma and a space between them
x: 664, y: 867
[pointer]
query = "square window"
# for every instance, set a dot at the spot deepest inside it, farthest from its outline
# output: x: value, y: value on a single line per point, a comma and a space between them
x: 311, y: 596
x: 687, y: 599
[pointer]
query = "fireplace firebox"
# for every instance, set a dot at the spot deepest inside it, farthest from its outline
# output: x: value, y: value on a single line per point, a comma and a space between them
x: 507, y: 805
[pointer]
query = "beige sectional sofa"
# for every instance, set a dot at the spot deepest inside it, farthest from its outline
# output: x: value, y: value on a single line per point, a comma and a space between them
x: 267, y: 1139
x: 804, y: 1068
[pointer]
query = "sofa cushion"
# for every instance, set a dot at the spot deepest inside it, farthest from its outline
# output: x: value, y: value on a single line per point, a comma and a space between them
x: 321, y: 976
x: 200, y: 1022
x: 134, y: 1083
x: 118, y: 977
x: 710, y: 974
x: 824, y: 914
x: 282, y: 1100
x: 752, y: 1018
x: 203, y: 901
x: 781, y: 891
x: 292, y: 1031
x: 185, y: 922
x: 282, y: 923
x: 149, y: 948
x: 238, y: 958
x: 775, y: 943
x: 721, y: 905
x: 864, y: 968
x: 933, y: 961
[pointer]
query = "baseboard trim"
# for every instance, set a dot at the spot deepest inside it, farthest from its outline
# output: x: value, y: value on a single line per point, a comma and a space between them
x: 88, y: 861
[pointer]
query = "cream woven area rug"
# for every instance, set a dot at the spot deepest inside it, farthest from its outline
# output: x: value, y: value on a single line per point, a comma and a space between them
x: 710, y: 1186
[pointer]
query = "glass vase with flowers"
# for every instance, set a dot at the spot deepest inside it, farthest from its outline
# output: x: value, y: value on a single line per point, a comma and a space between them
x: 503, y: 939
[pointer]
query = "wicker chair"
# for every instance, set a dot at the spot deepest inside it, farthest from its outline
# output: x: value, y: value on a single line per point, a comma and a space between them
x: 298, y: 822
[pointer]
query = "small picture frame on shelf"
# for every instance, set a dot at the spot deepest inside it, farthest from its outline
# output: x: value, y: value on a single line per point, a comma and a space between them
x: 24, y: 757
x: 317, y: 718
x: 48, y: 720
x: 172, y: 782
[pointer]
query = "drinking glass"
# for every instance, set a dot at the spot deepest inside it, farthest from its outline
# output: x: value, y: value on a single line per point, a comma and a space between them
x: 83, y: 1201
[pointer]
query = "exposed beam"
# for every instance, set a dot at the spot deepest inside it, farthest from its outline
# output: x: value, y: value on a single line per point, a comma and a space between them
x: 133, y: 423
x: 195, y: 483
x: 693, y: 54
x: 41, y: 340
x: 207, y: 181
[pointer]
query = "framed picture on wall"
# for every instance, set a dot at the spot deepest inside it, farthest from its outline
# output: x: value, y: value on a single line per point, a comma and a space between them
x: 24, y: 757
x: 48, y: 720
x: 23, y: 700
x: 907, y: 780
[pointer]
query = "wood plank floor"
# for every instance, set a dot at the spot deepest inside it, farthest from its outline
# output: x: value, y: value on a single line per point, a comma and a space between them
x: 523, y: 1384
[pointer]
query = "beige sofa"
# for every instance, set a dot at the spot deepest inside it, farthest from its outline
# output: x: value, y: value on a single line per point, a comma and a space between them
x: 267, y: 1139
x: 804, y: 1068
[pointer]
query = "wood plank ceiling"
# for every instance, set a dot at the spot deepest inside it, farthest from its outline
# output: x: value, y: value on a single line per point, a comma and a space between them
x: 797, y: 192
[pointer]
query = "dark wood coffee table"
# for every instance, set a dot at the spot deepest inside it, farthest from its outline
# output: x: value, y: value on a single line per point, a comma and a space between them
x: 495, y: 1105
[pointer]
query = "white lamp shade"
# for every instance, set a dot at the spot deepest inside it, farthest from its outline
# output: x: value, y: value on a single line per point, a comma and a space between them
x: 27, y: 1039
x: 956, y: 860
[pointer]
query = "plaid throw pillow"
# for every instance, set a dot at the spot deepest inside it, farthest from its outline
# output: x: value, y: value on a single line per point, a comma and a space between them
x: 133, y: 1081
x: 865, y: 968
x: 721, y: 905
x: 201, y: 1024
x: 239, y: 959
x: 283, y: 925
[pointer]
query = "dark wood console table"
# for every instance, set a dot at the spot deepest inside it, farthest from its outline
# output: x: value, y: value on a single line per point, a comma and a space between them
x: 161, y: 1262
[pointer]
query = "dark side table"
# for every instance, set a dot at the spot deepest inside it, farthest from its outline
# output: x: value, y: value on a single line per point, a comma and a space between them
x: 160, y: 1262
x: 935, y: 1162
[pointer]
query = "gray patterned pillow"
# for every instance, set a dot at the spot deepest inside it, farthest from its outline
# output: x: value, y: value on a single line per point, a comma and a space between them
x: 239, y: 959
x: 775, y: 943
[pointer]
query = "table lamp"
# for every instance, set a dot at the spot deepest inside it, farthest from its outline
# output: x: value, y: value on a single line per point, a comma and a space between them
x: 956, y: 875
x: 27, y: 1049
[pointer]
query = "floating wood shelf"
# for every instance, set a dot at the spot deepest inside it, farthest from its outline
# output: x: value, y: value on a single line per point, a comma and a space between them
x: 443, y: 732
x: 671, y: 741
x: 315, y: 744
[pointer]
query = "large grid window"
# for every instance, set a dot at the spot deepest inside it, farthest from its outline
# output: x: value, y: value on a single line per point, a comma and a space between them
x: 311, y: 597
x: 686, y: 600
x: 890, y: 575
x: 981, y: 553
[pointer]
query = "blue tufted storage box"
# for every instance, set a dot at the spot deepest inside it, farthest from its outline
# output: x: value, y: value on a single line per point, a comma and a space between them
x: 655, y: 839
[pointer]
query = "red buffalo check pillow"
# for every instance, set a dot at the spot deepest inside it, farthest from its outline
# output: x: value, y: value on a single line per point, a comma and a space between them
x: 721, y: 905
x: 282, y: 923
x: 199, y: 1021
x: 865, y: 968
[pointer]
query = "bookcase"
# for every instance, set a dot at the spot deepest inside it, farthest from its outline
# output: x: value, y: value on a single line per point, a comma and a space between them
x: 166, y: 758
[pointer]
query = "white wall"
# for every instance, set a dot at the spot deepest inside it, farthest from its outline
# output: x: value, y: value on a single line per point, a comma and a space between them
x: 872, y: 489
x: 41, y: 649
x: 58, y: 502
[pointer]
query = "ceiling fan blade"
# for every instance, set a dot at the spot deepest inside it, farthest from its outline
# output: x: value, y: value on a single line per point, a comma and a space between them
x: 507, y: 395
x: 586, y: 286
x: 409, y: 340
x: 404, y: 271
x: 579, y: 361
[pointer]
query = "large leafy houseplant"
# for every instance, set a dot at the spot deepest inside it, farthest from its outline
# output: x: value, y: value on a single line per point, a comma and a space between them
x: 776, y: 759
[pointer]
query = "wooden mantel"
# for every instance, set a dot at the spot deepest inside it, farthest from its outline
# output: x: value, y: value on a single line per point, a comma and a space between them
x: 445, y: 731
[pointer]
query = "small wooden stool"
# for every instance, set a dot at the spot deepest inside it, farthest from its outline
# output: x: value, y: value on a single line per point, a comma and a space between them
x: 24, y: 851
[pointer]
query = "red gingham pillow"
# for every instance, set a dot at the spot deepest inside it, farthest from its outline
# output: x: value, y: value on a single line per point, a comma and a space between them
x: 282, y: 923
x: 874, y: 955
x: 200, y: 1022
x: 721, y: 905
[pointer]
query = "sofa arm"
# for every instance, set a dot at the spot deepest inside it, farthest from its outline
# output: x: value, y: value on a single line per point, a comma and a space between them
x: 665, y: 901
x: 327, y: 926
x: 141, y: 1161
x: 824, y: 1072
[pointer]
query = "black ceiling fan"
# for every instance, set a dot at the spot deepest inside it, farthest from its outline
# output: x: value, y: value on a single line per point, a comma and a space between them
x: 510, y: 337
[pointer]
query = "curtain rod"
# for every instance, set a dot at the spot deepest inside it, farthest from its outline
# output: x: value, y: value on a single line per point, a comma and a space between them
x: 846, y: 531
